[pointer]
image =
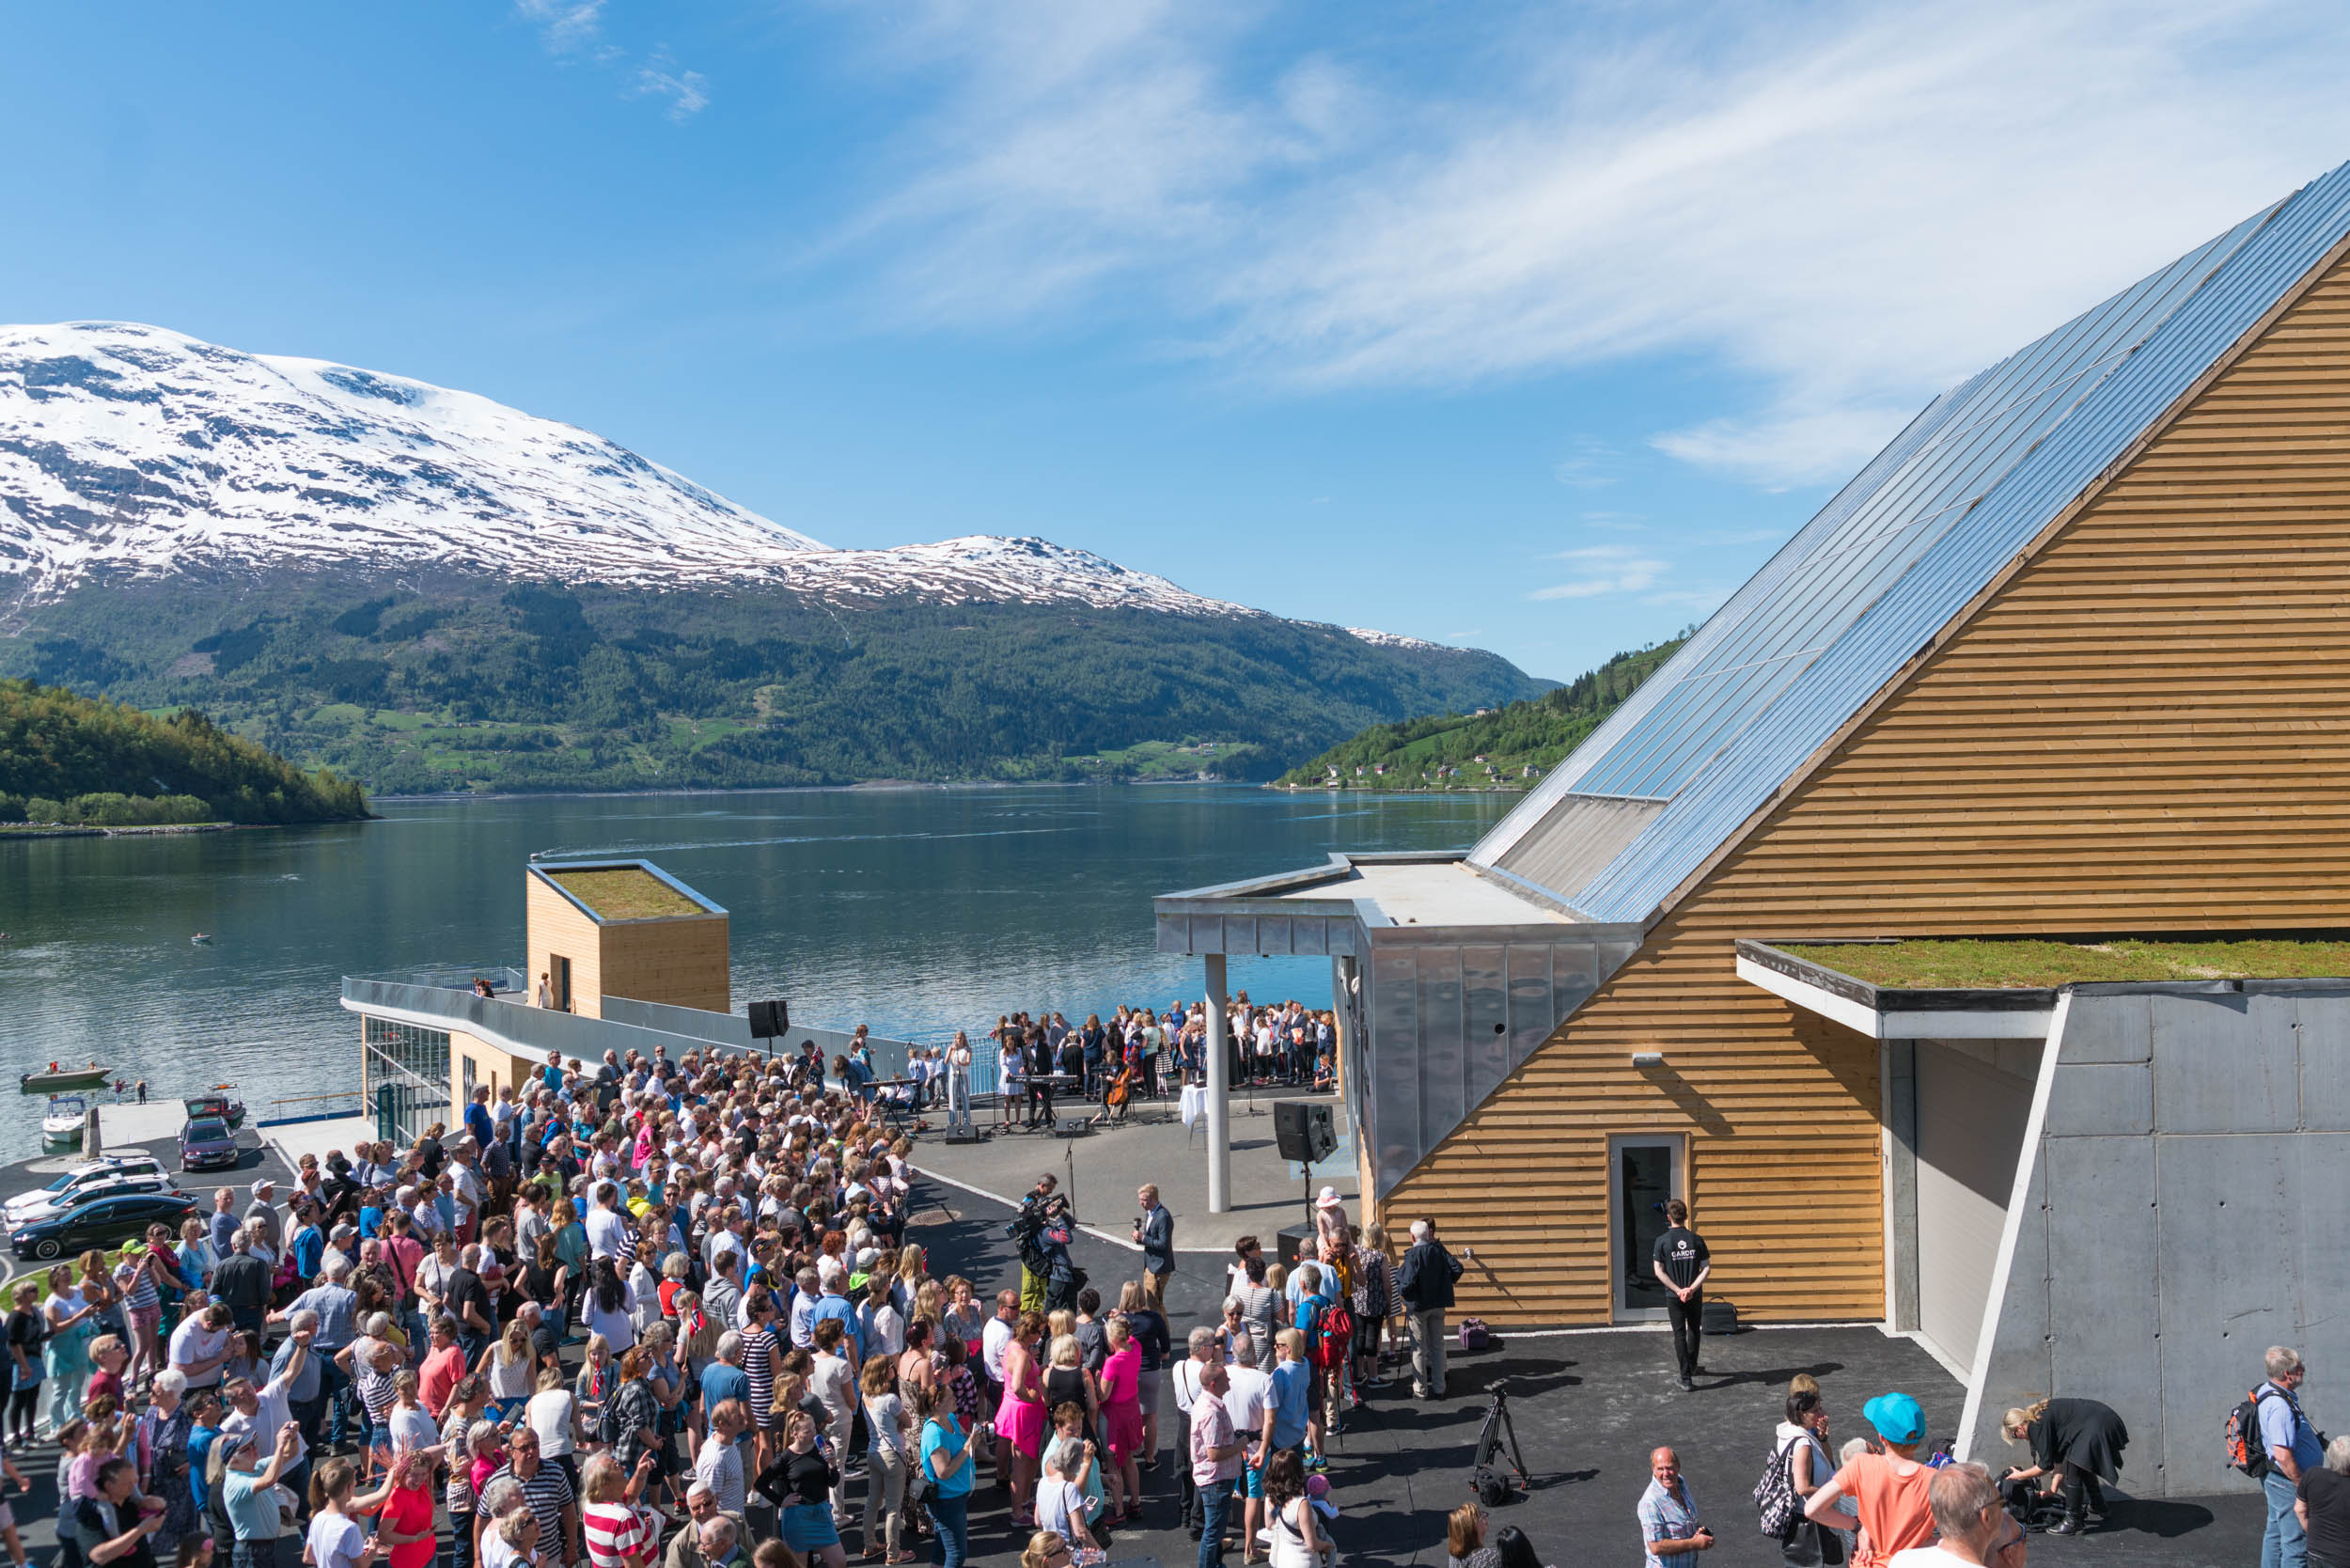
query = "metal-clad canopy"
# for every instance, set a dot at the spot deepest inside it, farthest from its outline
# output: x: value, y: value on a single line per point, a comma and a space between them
x: 1890, y: 562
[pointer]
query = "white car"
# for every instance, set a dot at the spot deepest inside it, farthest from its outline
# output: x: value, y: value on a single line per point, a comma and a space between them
x: 125, y: 1173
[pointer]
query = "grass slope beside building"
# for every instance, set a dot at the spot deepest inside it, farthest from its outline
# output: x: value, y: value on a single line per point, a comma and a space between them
x: 69, y: 758
x: 1504, y: 749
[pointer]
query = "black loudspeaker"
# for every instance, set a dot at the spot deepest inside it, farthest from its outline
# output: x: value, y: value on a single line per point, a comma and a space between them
x: 769, y: 1020
x: 1305, y: 1129
x: 1295, y: 1242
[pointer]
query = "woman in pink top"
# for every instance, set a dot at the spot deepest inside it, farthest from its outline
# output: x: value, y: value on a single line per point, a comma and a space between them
x: 1121, y: 1410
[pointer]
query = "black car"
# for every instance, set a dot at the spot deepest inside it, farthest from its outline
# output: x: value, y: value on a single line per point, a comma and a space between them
x: 102, y: 1223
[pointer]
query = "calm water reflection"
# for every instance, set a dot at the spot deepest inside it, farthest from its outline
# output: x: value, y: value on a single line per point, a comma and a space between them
x: 917, y: 911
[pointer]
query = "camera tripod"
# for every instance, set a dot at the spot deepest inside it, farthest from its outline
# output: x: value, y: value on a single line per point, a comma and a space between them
x: 1492, y: 1483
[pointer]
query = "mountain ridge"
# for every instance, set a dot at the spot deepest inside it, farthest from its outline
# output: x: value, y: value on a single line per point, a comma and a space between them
x: 425, y: 589
x: 126, y: 446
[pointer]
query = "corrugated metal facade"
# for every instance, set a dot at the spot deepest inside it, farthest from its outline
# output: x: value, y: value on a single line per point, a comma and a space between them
x: 1897, y: 555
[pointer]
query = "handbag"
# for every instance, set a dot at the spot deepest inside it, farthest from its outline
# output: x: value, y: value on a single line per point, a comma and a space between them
x: 1775, y: 1503
x: 1474, y: 1334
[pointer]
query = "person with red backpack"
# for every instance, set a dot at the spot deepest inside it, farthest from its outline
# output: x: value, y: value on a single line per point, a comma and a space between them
x: 1328, y: 1328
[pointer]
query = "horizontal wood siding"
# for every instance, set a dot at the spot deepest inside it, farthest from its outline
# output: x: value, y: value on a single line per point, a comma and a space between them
x: 2146, y: 729
x: 681, y: 962
x: 555, y: 925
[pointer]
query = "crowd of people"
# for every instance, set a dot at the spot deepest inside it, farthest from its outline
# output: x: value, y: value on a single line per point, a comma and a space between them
x: 651, y: 1311
x: 645, y: 1309
x: 1141, y: 1053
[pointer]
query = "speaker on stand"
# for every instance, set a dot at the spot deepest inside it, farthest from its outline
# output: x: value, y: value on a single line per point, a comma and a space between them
x: 1305, y: 1131
x: 770, y: 1022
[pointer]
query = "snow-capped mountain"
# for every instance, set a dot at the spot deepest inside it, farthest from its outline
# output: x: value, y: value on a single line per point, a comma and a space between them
x: 130, y: 447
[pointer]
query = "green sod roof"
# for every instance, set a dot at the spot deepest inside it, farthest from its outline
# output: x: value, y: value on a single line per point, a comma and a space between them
x: 1993, y: 964
x: 626, y: 893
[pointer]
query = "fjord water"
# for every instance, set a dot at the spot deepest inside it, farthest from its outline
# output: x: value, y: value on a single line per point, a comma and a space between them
x: 918, y: 911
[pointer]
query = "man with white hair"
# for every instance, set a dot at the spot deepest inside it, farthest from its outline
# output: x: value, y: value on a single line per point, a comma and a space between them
x: 1425, y: 1283
x: 244, y: 1282
x: 721, y: 1543
x: 2293, y: 1450
x: 701, y: 1506
x: 262, y: 1212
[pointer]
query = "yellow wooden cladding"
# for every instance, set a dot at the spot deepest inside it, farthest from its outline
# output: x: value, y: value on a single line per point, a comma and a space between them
x: 556, y: 925
x: 2145, y: 729
x: 681, y: 961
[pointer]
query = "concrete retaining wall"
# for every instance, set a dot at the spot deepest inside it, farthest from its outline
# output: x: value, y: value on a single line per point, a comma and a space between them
x: 2182, y: 1204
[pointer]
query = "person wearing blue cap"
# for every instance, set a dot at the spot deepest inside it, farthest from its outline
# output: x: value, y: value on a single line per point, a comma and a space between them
x: 1889, y: 1487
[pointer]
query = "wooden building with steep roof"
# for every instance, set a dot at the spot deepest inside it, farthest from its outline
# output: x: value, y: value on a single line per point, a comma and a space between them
x: 2069, y: 658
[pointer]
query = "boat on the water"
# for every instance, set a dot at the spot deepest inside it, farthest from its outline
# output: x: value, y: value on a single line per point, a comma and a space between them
x: 63, y: 1122
x: 58, y: 1078
x: 202, y: 940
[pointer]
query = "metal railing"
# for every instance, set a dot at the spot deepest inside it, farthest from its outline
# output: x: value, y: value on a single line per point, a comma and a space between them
x: 650, y: 1027
x: 458, y: 976
x: 314, y: 1108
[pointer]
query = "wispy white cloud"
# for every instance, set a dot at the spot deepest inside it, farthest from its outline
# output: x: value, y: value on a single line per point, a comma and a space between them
x: 1789, y: 446
x: 574, y: 30
x: 1590, y: 463
x: 1846, y: 207
x: 687, y: 91
x: 1605, y: 569
x: 567, y: 26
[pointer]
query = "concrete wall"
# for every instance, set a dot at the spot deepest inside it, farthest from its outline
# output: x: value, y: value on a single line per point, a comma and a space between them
x: 2179, y: 1208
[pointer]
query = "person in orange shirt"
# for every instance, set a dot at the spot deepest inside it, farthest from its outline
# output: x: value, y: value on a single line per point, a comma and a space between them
x: 1889, y: 1487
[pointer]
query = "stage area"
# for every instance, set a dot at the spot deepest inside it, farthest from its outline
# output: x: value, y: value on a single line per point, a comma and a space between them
x: 1109, y: 1162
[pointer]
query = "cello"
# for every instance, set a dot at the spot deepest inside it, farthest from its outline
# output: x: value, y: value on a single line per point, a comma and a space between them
x: 1122, y: 1090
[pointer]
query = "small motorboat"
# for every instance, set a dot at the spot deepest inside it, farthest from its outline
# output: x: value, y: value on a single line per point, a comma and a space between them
x: 63, y: 1077
x: 202, y: 940
x: 63, y: 1122
x: 218, y: 1101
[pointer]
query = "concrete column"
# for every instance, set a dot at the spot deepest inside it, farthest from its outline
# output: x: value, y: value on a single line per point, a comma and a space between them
x: 1897, y: 1068
x: 1219, y: 1092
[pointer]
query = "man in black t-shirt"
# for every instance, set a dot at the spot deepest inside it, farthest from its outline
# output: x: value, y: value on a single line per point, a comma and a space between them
x: 1681, y: 1263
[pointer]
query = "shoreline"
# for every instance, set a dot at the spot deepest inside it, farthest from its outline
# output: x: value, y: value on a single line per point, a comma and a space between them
x: 870, y: 784
x: 148, y: 830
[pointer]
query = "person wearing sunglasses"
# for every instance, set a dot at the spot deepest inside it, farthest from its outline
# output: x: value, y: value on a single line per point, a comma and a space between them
x: 1974, y: 1524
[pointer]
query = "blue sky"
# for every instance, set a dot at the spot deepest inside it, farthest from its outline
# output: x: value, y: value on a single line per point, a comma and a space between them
x: 1534, y: 327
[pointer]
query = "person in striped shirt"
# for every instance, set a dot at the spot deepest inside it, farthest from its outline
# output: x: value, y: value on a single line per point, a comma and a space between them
x: 618, y: 1533
x: 547, y: 1491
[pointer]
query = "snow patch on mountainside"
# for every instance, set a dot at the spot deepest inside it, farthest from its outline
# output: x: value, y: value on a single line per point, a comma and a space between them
x: 1388, y: 639
x: 131, y: 447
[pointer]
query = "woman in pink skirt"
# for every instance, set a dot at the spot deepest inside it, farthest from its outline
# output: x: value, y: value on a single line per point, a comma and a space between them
x: 1121, y: 1410
x: 1020, y: 1418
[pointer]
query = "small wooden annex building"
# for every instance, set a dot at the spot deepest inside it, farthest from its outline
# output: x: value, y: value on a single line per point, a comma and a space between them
x: 2070, y: 657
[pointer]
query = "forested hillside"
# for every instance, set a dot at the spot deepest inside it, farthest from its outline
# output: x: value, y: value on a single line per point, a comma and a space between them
x: 71, y: 759
x: 1484, y: 751
x: 415, y: 682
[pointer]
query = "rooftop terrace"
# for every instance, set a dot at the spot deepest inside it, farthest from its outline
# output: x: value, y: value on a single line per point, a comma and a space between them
x: 2022, y: 962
